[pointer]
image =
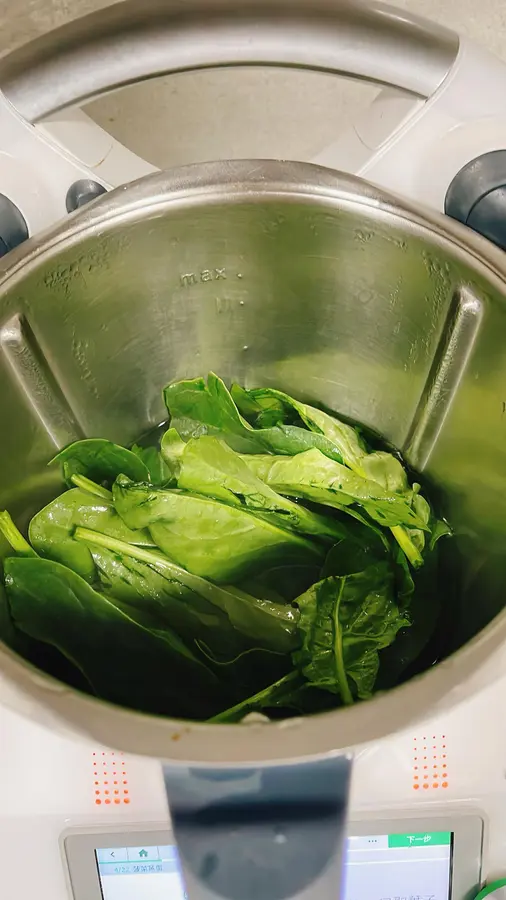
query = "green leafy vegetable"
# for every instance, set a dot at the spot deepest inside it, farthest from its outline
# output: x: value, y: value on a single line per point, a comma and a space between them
x: 313, y: 476
x: 152, y: 458
x: 197, y: 408
x: 210, y: 467
x: 149, y: 580
x: 254, y: 557
x: 345, y: 621
x: 51, y: 531
x: 100, y: 461
x: 121, y: 658
x: 207, y: 537
x: 343, y: 442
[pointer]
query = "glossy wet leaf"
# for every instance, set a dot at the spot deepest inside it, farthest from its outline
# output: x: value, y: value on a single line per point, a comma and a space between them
x: 154, y: 462
x: 51, y: 531
x: 100, y: 461
x: 344, y: 623
x: 225, y: 618
x: 197, y: 408
x: 209, y: 467
x: 313, y: 476
x: 207, y: 537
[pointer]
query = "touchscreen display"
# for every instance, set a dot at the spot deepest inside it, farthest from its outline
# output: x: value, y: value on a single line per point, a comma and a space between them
x: 414, y: 866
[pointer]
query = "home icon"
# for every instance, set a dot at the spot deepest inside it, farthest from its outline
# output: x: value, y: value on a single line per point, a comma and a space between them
x: 143, y: 853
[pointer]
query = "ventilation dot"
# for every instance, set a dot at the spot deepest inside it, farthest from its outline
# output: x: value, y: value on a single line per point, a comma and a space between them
x: 106, y: 792
x: 435, y: 785
x: 416, y: 787
x: 117, y: 801
x: 107, y: 801
x: 97, y: 792
x: 98, y: 802
x: 425, y: 787
x: 444, y: 784
x: 126, y: 800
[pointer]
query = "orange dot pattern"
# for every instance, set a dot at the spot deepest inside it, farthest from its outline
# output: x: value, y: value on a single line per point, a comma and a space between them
x: 430, y: 763
x: 110, y: 778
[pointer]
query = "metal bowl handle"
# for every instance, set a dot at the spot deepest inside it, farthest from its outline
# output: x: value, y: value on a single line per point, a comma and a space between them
x: 130, y: 42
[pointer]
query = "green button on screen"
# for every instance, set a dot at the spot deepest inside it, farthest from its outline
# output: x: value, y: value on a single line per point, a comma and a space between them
x: 420, y: 839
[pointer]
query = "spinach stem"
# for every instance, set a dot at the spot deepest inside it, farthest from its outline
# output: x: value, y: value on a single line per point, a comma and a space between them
x: 86, y: 484
x: 231, y: 714
x: 14, y: 537
x: 103, y: 540
x: 342, y: 679
x: 407, y: 546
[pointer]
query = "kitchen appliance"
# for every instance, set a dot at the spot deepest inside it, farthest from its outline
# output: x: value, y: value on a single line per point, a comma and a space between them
x: 441, y: 103
x: 443, y: 362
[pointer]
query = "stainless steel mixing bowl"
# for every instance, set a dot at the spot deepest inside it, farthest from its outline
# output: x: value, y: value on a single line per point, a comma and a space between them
x: 271, y: 274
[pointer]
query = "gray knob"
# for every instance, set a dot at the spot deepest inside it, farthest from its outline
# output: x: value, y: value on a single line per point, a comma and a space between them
x: 82, y: 192
x: 13, y: 228
x: 477, y: 196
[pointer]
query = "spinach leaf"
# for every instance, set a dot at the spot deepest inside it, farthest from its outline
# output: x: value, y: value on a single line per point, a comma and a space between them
x: 150, y: 581
x: 313, y: 476
x: 344, y: 442
x: 154, y: 462
x: 100, y: 461
x: 51, y: 531
x: 197, y: 408
x: 345, y: 621
x: 386, y: 470
x: 124, y: 661
x: 341, y: 442
x: 207, y: 537
x: 209, y: 467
